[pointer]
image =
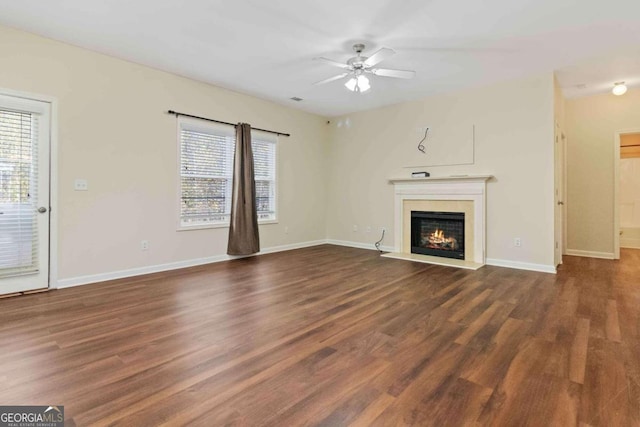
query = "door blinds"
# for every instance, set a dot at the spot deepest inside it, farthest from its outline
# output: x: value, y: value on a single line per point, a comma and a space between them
x: 18, y: 198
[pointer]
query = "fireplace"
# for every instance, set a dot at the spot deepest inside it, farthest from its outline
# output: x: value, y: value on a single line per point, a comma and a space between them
x: 438, y: 234
x: 453, y: 194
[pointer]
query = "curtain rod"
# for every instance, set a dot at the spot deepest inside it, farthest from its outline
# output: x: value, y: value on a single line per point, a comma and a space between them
x: 224, y: 123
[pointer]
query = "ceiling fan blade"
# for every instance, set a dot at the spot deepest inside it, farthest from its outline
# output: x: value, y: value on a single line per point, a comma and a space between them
x: 379, y: 56
x: 332, y: 62
x: 400, y: 74
x: 330, y: 79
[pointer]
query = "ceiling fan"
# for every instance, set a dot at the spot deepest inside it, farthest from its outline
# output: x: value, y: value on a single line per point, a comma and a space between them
x: 358, y: 66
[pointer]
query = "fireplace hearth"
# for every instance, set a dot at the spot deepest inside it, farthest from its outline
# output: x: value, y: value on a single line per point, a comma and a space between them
x: 438, y: 234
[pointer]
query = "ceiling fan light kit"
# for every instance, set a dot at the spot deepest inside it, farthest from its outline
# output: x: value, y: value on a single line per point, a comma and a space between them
x: 359, y: 65
x: 358, y: 84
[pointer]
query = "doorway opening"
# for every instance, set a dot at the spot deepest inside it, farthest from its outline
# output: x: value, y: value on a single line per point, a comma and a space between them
x: 627, y: 205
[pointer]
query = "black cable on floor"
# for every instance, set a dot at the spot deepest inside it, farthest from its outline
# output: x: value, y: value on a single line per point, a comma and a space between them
x: 377, y: 244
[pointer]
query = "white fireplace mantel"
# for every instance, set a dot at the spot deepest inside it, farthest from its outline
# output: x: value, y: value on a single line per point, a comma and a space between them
x: 452, y: 178
x: 451, y: 188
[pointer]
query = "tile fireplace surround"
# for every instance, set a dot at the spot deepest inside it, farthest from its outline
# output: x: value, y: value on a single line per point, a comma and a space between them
x: 462, y: 193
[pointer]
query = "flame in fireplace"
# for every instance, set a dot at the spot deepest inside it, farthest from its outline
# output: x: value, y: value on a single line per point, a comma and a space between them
x: 437, y: 235
x: 439, y: 240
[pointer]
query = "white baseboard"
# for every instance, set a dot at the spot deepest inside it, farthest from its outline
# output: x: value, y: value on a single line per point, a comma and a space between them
x: 589, y: 254
x: 290, y: 247
x: 629, y: 243
x: 95, y: 278
x: 359, y: 245
x: 518, y: 265
x: 495, y: 262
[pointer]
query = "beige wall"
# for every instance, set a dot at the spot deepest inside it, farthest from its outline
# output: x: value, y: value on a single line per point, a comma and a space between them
x: 558, y: 105
x: 591, y: 124
x: 514, y: 141
x: 114, y: 132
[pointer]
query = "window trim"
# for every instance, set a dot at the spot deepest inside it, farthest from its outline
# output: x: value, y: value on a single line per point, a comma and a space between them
x: 194, y: 123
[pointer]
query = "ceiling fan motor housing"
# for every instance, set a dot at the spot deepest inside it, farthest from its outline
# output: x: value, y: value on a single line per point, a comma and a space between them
x: 357, y: 62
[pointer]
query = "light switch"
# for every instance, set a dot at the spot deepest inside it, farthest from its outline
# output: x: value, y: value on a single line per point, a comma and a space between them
x: 81, y: 185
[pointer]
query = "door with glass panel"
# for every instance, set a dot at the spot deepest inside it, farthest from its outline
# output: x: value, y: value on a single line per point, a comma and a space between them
x: 24, y: 194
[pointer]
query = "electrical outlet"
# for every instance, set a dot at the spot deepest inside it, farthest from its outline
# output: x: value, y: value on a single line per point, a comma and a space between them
x: 368, y: 229
x: 144, y: 245
x: 517, y: 242
x: 80, y: 185
x: 355, y: 228
x: 383, y: 229
x: 286, y: 230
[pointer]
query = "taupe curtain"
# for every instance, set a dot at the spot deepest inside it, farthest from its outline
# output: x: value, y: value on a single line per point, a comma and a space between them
x: 243, y: 230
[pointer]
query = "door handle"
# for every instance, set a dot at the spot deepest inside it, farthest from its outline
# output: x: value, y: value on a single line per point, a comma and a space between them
x: 42, y: 209
x: 560, y: 202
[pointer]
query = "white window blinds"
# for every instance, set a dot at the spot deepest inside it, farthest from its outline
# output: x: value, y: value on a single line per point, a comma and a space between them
x: 206, y: 173
x: 18, y: 198
x: 264, y: 166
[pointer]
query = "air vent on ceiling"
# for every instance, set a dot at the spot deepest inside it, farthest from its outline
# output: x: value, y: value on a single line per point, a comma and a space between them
x: 295, y: 98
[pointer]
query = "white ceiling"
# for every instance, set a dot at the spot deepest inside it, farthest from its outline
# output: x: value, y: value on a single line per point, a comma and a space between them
x: 265, y: 48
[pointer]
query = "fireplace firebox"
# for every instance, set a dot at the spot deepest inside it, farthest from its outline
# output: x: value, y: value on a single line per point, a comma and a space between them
x: 438, y: 234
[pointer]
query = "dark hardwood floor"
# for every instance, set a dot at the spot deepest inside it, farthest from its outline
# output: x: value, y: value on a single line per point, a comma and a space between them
x: 334, y: 336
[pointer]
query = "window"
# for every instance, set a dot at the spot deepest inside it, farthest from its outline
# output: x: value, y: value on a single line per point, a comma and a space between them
x: 264, y: 167
x: 206, y: 173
